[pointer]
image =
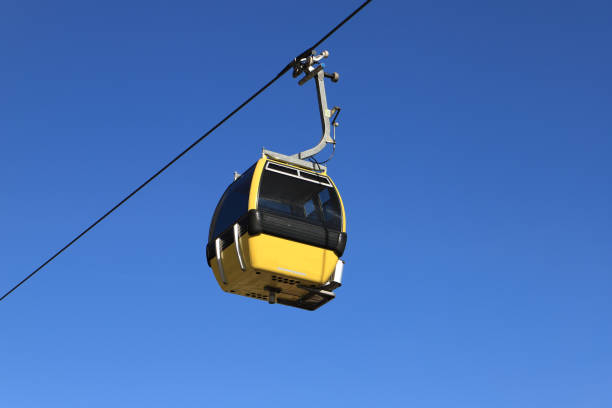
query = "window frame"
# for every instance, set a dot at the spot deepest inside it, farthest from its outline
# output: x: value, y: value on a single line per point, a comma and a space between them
x: 327, y: 182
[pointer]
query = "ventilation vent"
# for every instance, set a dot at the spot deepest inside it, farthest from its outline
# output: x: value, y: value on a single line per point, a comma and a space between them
x: 255, y: 295
x: 280, y: 279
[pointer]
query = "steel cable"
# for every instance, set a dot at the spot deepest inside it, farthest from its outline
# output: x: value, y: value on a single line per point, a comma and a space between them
x: 191, y: 146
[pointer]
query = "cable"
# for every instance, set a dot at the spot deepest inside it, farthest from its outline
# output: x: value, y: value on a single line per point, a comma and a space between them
x: 191, y: 146
x: 306, y: 53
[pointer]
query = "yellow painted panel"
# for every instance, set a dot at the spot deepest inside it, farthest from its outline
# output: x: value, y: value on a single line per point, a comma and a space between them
x: 293, y: 259
x: 254, y: 192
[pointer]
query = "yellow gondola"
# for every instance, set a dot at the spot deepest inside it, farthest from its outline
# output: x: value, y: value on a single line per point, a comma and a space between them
x: 277, y: 234
x: 279, y: 229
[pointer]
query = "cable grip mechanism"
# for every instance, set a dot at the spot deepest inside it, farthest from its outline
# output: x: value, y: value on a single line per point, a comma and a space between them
x: 312, y: 67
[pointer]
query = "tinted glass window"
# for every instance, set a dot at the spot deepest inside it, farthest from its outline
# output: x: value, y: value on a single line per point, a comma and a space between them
x: 284, y: 169
x: 314, y: 177
x: 297, y: 198
x: 233, y: 205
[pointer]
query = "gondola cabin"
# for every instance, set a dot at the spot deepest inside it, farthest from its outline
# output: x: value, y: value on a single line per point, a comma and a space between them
x: 277, y: 234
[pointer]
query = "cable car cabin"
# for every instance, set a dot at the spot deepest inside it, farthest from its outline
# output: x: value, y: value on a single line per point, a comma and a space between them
x: 277, y: 234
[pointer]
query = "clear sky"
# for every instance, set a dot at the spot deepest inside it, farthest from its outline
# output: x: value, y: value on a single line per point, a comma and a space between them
x: 473, y: 159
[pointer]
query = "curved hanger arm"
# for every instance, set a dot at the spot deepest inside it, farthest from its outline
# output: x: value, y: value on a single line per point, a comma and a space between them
x: 325, y: 120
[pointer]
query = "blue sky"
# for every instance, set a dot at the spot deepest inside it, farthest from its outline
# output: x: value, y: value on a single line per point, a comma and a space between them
x: 473, y: 159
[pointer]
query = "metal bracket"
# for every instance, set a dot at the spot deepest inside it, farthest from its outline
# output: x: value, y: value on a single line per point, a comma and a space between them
x: 311, y: 67
x: 294, y: 160
x: 272, y: 292
x: 325, y: 120
x: 336, y: 279
x: 307, y: 66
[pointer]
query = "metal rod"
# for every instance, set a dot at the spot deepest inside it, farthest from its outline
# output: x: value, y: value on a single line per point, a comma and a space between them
x: 219, y: 260
x: 238, y: 249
